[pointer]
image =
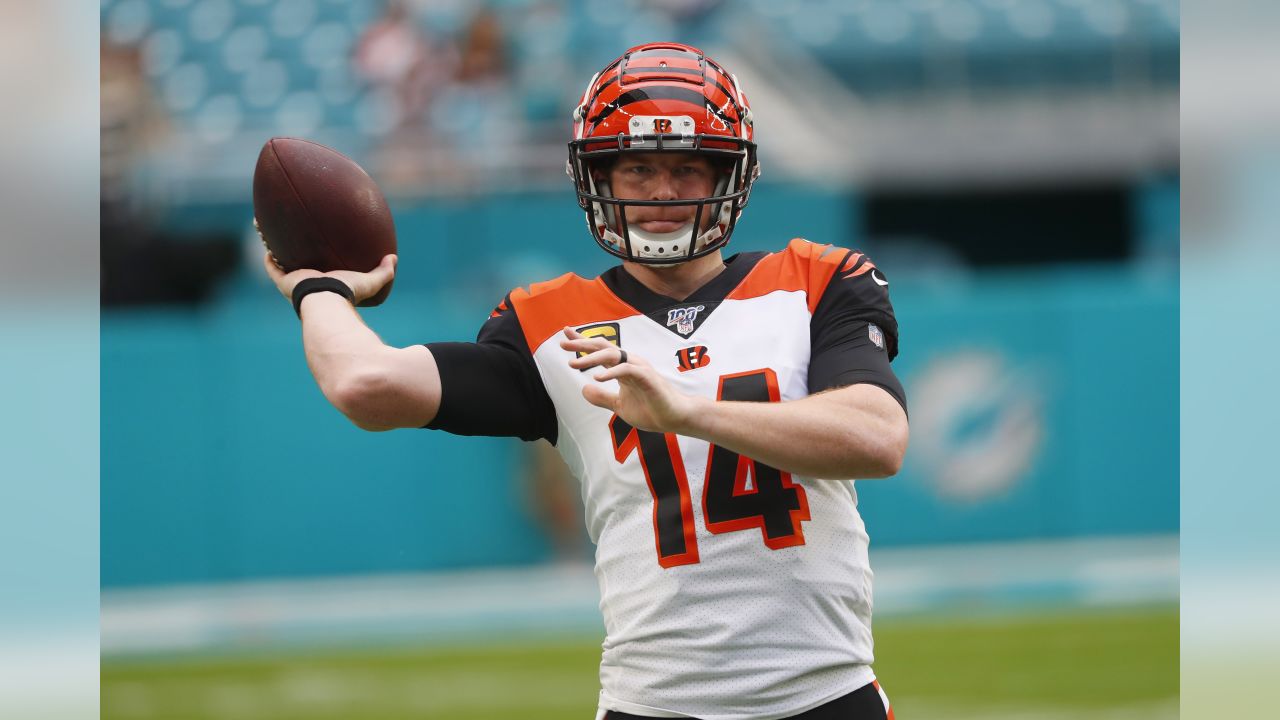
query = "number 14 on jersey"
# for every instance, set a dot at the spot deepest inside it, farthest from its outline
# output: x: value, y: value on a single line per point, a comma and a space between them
x: 738, y: 493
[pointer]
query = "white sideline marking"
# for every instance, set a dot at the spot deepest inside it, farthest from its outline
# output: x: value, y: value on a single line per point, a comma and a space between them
x: 565, y: 598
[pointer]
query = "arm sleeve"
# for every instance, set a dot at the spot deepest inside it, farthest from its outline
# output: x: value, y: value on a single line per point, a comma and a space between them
x: 492, y: 386
x: 854, y: 333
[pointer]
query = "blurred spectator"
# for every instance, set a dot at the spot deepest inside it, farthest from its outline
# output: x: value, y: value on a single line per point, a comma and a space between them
x: 484, y: 52
x: 138, y: 263
x: 131, y: 124
x: 542, y: 62
x: 393, y: 54
x: 478, y: 113
x: 404, y: 63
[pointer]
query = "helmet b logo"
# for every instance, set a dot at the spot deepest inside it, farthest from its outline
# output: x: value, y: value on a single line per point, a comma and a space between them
x: 661, y: 126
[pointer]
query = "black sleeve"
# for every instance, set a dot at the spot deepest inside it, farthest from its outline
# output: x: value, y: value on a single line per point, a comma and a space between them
x: 854, y: 334
x: 492, y: 386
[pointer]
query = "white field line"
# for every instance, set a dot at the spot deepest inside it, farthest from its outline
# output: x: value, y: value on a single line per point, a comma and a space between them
x: 560, y: 598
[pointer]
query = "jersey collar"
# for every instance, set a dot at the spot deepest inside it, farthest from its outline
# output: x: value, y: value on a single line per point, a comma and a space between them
x: 659, y: 307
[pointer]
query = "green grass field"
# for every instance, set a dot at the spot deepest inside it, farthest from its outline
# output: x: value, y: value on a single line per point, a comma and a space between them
x: 1116, y: 665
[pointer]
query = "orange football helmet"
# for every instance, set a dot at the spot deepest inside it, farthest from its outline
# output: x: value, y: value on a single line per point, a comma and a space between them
x: 663, y: 97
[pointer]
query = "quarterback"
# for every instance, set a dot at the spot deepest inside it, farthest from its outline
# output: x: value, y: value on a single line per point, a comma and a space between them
x: 716, y: 410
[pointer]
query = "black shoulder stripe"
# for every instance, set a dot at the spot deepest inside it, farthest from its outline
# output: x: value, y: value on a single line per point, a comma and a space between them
x: 504, y: 306
x: 846, y: 270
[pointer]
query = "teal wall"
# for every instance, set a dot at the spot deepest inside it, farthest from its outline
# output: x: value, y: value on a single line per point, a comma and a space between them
x: 221, y: 459
x: 1044, y: 404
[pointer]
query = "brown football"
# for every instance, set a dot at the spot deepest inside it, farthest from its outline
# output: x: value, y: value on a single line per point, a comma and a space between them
x: 316, y: 208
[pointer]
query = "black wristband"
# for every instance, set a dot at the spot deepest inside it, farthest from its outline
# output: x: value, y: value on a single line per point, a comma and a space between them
x: 320, y: 284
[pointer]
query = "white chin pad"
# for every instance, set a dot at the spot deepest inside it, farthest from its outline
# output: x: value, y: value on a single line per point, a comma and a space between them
x: 664, y: 246
x: 661, y: 245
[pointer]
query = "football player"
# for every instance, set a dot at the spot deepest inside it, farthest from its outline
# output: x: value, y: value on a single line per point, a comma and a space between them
x: 716, y: 410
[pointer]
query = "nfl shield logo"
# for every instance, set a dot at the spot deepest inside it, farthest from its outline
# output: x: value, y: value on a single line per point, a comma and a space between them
x: 876, y: 335
x: 683, y: 318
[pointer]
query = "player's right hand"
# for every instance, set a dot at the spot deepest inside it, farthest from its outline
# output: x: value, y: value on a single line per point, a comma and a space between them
x: 644, y: 399
x: 364, y: 285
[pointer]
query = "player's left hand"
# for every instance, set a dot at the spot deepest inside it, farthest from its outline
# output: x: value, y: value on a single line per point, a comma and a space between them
x: 644, y: 398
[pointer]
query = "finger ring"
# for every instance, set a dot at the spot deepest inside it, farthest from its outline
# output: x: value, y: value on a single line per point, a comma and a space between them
x: 623, y: 358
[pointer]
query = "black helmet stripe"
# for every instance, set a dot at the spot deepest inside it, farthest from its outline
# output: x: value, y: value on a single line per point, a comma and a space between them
x: 688, y: 71
x: 685, y: 71
x: 603, y: 85
x: 658, y: 92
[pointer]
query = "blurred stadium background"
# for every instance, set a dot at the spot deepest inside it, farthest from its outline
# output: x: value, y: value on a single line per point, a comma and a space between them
x: 1011, y: 164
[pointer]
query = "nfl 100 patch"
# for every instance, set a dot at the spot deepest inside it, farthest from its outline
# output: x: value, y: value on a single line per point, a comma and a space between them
x: 683, y: 318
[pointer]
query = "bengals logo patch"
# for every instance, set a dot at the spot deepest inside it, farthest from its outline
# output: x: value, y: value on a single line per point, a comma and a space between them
x: 692, y: 358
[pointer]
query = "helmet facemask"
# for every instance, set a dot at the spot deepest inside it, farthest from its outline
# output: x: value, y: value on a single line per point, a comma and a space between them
x: 714, y: 216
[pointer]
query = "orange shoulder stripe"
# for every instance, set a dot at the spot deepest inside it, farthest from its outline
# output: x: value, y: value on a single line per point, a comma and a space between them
x: 547, y: 307
x: 802, y: 265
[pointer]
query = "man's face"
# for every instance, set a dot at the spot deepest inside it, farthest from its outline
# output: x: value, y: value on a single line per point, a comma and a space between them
x: 663, y: 176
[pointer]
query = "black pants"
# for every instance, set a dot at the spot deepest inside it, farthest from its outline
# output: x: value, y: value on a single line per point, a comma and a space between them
x: 861, y: 704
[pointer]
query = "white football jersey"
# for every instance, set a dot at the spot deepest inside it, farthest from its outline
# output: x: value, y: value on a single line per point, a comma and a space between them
x: 729, y: 589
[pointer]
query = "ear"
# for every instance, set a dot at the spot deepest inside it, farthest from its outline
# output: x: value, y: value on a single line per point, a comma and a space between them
x: 600, y: 170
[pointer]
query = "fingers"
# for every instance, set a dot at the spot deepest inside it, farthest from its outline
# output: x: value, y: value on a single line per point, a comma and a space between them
x: 385, y: 271
x: 600, y: 397
x: 599, y: 351
x: 605, y: 356
x: 273, y: 271
x: 577, y: 341
x: 623, y: 371
x: 616, y: 364
x: 587, y: 346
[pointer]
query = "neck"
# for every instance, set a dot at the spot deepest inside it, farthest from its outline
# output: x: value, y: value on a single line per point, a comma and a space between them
x: 677, y: 281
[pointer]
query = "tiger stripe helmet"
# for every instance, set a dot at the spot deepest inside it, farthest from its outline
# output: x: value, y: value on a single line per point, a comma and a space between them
x: 663, y: 97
